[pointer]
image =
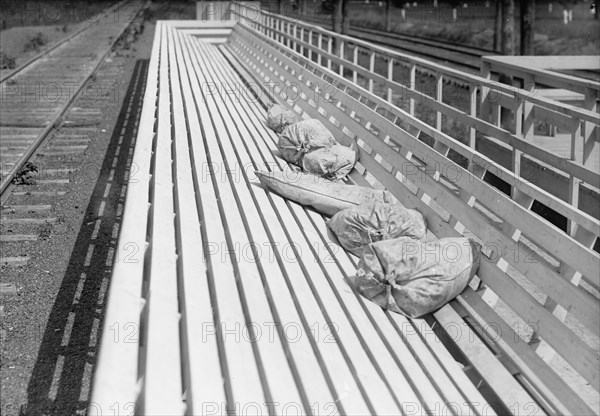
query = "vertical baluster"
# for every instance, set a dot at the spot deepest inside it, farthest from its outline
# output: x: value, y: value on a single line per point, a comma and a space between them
x: 295, y: 37
x: 310, y: 42
x: 590, y: 131
x: 302, y: 40
x: 341, y: 46
x: 371, y: 69
x: 439, y: 87
x: 280, y: 31
x: 390, y: 77
x: 355, y: 62
x: 485, y: 92
x: 413, y: 86
x: 473, y: 113
x: 320, y: 46
x: 574, y: 181
x: 329, y: 49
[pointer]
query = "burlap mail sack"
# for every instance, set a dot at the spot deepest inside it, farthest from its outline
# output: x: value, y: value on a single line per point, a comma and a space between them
x: 325, y: 196
x: 279, y: 117
x: 333, y: 162
x: 370, y: 222
x: 303, y: 137
x: 416, y: 277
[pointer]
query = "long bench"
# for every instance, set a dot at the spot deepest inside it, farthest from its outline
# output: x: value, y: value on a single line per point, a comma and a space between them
x: 226, y: 298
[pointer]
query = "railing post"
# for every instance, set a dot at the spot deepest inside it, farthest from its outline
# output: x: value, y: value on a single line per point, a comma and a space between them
x: 439, y: 86
x: 302, y: 39
x: 590, y: 131
x: 473, y: 113
x: 355, y: 62
x: 329, y: 49
x: 269, y: 25
x: 320, y: 46
x: 294, y: 38
x: 390, y: 77
x: 280, y: 31
x: 574, y: 181
x: 485, y: 91
x: 310, y: 42
x: 412, y: 86
x: 371, y: 69
x: 341, y: 67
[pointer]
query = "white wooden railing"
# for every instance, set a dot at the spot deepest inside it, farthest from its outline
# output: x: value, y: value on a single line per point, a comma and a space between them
x: 484, y: 114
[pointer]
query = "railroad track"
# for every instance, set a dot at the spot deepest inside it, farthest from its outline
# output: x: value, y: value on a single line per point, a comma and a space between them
x: 465, y: 58
x: 35, y: 97
x: 53, y: 131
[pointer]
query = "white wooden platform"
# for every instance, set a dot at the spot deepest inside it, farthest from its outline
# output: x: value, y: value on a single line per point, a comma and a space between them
x: 228, y: 299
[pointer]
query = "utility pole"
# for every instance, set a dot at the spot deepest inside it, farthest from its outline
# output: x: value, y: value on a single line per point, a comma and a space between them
x: 498, y: 27
x: 337, y: 15
x: 345, y: 18
x: 526, y: 27
x: 508, y: 27
x: 388, y: 15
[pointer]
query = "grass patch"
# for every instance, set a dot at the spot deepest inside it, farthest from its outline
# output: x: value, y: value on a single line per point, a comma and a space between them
x: 6, y: 61
x: 26, y: 175
x: 35, y: 42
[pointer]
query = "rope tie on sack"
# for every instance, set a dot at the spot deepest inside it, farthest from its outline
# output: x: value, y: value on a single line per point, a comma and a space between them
x: 377, y: 235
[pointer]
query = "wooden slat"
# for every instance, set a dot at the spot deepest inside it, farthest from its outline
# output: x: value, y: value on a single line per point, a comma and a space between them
x: 200, y: 352
x: 116, y: 376
x: 162, y: 360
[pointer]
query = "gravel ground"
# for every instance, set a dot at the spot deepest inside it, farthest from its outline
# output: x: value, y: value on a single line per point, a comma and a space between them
x: 50, y: 326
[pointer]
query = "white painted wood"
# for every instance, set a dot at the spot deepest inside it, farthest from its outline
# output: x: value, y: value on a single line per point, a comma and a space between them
x: 162, y: 389
x: 116, y: 375
x: 200, y: 356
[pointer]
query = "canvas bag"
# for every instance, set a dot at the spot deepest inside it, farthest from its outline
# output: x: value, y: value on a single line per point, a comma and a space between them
x: 358, y: 226
x: 416, y: 277
x: 302, y: 137
x: 333, y: 162
x: 279, y: 117
x: 325, y: 196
